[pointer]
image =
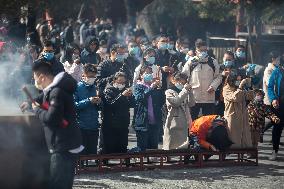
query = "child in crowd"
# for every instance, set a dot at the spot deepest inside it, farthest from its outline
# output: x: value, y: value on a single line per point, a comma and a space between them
x: 178, y: 117
x: 257, y: 112
x: 147, y: 94
x: 87, y: 104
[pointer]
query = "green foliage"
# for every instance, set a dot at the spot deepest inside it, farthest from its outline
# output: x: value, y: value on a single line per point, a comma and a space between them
x: 217, y: 10
x: 273, y: 14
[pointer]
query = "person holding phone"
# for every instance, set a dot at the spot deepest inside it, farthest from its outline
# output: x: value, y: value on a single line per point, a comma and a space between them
x: 118, y: 100
x: 87, y: 108
x: 178, y: 117
x: 236, y: 113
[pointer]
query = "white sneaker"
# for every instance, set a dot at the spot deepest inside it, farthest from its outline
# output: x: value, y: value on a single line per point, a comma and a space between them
x: 273, y: 156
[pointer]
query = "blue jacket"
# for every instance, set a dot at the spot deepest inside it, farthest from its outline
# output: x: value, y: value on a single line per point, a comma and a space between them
x: 274, y: 84
x: 87, y: 113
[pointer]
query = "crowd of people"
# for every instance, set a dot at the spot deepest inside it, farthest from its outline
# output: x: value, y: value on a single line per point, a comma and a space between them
x: 181, y: 95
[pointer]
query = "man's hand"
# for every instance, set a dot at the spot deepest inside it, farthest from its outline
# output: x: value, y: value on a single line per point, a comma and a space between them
x: 35, y: 105
x: 277, y: 121
x: 168, y: 69
x: 95, y: 100
x: 244, y: 82
x: 24, y: 106
x: 155, y: 84
x: 127, y: 93
x: 187, y: 86
x: 275, y: 104
x: 210, y: 89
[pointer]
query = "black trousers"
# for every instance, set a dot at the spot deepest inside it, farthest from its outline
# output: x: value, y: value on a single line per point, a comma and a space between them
x: 278, y: 128
x: 90, y: 141
x: 115, y: 139
x: 207, y: 109
x: 62, y: 170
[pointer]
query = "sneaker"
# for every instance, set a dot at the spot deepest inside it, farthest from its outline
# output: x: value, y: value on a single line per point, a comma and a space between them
x: 273, y: 156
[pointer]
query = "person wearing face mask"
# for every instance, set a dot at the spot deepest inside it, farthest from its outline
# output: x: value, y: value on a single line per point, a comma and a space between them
x: 55, y: 109
x: 108, y: 68
x: 163, y: 60
x: 118, y: 100
x: 102, y: 51
x: 275, y: 62
x: 178, y: 117
x: 89, y: 54
x: 133, y: 58
x: 149, y: 59
x: 240, y: 56
x: 204, y: 75
x: 48, y: 56
x: 258, y: 111
x: 148, y: 115
x: 276, y: 96
x: 235, y: 99
x: 182, y: 55
x: 87, y: 105
x: 227, y: 67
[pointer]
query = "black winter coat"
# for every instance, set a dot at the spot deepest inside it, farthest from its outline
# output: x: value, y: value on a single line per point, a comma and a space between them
x: 107, y: 70
x: 116, y: 108
x: 60, y: 137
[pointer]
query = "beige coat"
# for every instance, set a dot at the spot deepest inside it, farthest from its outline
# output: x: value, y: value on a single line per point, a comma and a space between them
x: 201, y: 79
x: 267, y: 73
x: 178, y: 119
x: 237, y: 115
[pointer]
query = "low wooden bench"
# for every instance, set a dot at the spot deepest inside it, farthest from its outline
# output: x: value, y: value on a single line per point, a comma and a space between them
x: 164, y: 159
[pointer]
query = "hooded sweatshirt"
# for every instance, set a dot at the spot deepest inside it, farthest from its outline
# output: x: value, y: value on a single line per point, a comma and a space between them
x: 58, y: 98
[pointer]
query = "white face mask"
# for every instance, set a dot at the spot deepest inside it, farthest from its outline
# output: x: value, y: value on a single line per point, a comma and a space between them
x: 90, y: 81
x: 119, y: 86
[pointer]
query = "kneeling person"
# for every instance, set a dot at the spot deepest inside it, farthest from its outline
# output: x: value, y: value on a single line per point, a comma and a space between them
x: 211, y: 132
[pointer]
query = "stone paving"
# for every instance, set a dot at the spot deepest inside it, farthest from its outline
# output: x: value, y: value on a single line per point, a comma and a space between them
x: 269, y: 174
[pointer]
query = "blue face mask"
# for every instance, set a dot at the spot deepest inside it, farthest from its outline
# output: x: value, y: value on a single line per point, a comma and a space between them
x: 179, y: 86
x: 48, y: 55
x: 203, y: 56
x: 134, y: 51
x: 150, y: 60
x: 148, y: 78
x: 120, y: 57
x: 163, y: 46
x: 240, y: 54
x: 187, y: 57
x: 170, y: 46
x: 228, y: 63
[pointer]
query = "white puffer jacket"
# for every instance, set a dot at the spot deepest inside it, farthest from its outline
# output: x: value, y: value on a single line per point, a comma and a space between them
x: 267, y: 73
x: 202, y: 78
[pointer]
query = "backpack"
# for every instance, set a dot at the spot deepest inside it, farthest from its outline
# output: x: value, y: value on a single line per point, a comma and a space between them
x: 210, y: 63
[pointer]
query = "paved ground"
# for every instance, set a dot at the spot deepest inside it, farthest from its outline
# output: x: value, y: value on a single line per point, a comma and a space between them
x: 267, y: 175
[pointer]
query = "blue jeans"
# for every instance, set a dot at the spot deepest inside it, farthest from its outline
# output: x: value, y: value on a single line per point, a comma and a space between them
x: 62, y: 170
x: 148, y: 139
